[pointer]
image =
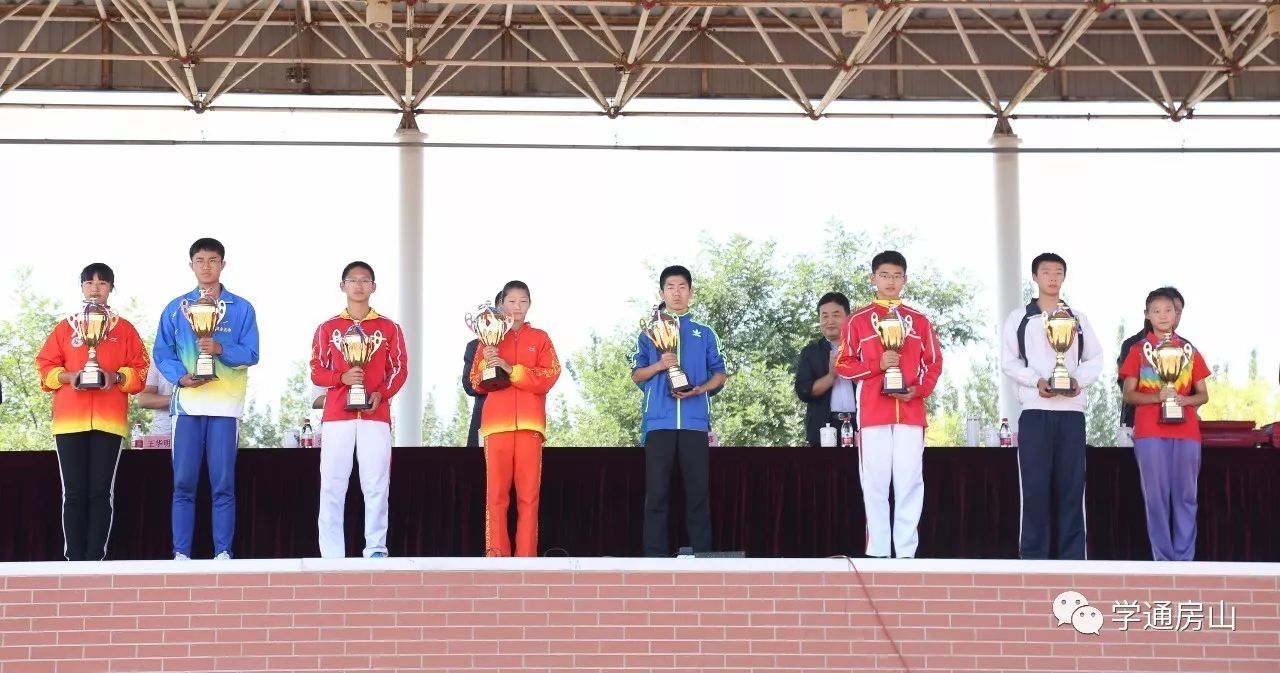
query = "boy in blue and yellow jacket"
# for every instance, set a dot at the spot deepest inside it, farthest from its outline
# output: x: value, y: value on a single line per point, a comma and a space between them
x: 676, y: 424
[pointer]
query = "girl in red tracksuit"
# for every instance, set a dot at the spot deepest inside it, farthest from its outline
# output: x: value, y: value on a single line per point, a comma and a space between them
x: 891, y: 425
x: 513, y: 424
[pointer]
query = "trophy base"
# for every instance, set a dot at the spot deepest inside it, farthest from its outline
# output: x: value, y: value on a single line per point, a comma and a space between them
x: 893, y: 383
x: 358, y: 400
x: 679, y: 380
x: 91, y: 380
x: 1061, y: 383
x: 204, y: 369
x: 494, y: 379
x: 1172, y: 414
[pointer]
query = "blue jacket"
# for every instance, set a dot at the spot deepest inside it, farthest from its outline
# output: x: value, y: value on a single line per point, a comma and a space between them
x: 700, y: 358
x: 175, y: 355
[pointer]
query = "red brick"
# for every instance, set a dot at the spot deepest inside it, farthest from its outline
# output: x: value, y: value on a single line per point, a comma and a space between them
x: 243, y: 580
x: 35, y: 582
x: 375, y: 592
x: 137, y: 581
x: 83, y: 666
x: 262, y: 621
x: 19, y: 610
x: 30, y: 667
x: 56, y: 651
x: 648, y: 578
x: 293, y: 663
x: 31, y: 638
x: 84, y: 637
x: 241, y: 664
x: 344, y: 663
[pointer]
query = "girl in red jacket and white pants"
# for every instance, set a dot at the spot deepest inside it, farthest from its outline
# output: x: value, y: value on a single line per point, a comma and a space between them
x: 891, y: 425
x: 367, y: 432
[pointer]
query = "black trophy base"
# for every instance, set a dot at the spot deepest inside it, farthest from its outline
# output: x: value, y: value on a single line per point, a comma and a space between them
x: 358, y: 402
x: 1061, y: 385
x: 91, y: 380
x: 1172, y: 414
x: 204, y: 369
x: 493, y: 379
x: 679, y: 381
x: 893, y: 383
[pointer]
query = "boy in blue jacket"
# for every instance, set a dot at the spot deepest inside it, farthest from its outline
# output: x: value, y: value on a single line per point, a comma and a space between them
x: 676, y: 425
x: 207, y: 413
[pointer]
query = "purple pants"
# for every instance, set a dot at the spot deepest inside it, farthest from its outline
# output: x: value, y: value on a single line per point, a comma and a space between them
x: 1169, y: 469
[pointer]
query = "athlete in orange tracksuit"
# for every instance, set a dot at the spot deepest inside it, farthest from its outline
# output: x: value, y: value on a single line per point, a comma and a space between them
x: 514, y: 424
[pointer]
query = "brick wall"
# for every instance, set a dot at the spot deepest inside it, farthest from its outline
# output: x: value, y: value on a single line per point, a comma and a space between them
x: 625, y: 614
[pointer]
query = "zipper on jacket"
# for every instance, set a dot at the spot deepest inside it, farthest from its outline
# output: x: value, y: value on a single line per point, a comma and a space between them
x: 679, y: 344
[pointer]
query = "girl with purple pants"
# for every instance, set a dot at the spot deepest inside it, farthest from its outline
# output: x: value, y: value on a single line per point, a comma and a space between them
x: 1168, y: 453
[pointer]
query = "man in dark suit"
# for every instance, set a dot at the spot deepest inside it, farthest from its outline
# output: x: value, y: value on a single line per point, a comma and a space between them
x: 825, y: 394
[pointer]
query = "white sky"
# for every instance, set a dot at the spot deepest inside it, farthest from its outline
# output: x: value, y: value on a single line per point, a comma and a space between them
x: 581, y: 227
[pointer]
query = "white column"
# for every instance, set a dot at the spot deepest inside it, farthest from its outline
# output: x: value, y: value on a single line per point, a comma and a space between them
x: 407, y: 405
x: 1008, y: 247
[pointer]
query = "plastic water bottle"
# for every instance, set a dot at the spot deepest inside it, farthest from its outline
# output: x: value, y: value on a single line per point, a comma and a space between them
x: 846, y: 433
x: 827, y: 436
x: 308, y: 435
x: 972, y: 431
x: 137, y: 435
x: 1006, y: 437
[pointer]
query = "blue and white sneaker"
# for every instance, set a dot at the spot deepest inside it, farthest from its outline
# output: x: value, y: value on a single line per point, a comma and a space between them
x: 181, y: 557
x: 378, y: 554
x: 223, y: 556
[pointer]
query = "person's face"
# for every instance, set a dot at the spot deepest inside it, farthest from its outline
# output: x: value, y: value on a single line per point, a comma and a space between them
x: 1163, y: 315
x: 96, y: 289
x: 1177, y: 314
x: 207, y: 265
x: 358, y: 284
x: 677, y: 292
x: 831, y: 317
x: 1049, y: 277
x: 516, y: 304
x: 889, y: 279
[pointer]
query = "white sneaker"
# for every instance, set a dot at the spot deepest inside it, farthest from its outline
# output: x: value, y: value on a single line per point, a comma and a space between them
x: 223, y: 556
x: 181, y: 557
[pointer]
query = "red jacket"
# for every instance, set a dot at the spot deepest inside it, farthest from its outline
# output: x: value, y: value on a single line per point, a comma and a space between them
x: 534, y: 369
x: 385, y: 373
x: 859, y: 360
x: 84, y: 410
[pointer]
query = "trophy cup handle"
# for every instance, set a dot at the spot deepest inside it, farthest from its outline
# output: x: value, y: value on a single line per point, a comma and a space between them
x: 906, y: 324
x: 1147, y: 351
x: 875, y: 322
x: 336, y: 339
x: 470, y: 321
x: 222, y: 311
x: 185, y: 307
x: 1188, y: 355
x: 74, y: 325
x: 113, y: 319
x: 375, y: 342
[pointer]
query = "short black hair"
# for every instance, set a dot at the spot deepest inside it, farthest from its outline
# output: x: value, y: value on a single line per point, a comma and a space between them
x: 888, y: 257
x: 514, y: 285
x: 1047, y: 257
x: 1173, y: 293
x: 674, y: 270
x: 834, y: 298
x: 101, y: 271
x: 207, y: 245
x: 358, y: 265
x: 497, y: 299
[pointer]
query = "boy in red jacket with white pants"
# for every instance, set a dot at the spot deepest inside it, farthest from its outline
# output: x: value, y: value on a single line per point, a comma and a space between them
x: 365, y: 432
x: 891, y: 424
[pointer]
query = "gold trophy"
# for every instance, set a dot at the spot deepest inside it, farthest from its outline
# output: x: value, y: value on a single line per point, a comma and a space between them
x: 204, y: 314
x: 1168, y: 360
x: 664, y: 331
x: 490, y: 325
x: 357, y: 348
x: 90, y: 326
x: 893, y: 330
x: 1061, y: 328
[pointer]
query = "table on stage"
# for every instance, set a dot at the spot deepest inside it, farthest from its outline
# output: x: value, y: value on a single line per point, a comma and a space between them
x: 768, y: 502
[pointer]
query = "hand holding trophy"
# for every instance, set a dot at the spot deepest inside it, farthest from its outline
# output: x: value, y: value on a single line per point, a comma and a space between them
x: 892, y: 330
x: 204, y: 314
x: 1061, y: 328
x: 1169, y: 361
x: 90, y: 327
x: 357, y: 348
x: 664, y: 331
x: 490, y: 324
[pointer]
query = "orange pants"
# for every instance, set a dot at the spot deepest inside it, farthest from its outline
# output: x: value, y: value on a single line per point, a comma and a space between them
x: 512, y: 456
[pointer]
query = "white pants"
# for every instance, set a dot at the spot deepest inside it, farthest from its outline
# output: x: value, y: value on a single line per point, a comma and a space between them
x: 370, y: 441
x: 892, y: 454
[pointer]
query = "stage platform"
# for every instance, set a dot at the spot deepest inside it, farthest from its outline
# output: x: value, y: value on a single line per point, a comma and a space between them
x: 637, y: 615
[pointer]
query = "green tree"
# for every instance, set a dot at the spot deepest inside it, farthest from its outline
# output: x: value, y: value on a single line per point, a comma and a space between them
x: 265, y: 426
x: 1253, y: 399
x: 761, y: 305
x: 1102, y: 411
x: 27, y: 412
